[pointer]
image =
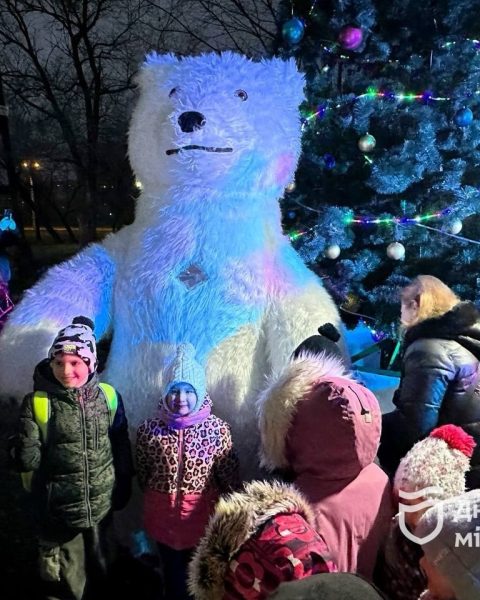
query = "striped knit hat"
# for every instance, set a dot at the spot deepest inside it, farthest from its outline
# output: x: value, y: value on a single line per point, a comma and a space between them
x: 78, y: 339
x: 185, y: 369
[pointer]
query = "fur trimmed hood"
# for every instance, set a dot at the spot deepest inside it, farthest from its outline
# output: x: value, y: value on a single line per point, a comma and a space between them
x: 277, y: 404
x: 237, y: 518
x: 461, y: 324
x: 335, y: 417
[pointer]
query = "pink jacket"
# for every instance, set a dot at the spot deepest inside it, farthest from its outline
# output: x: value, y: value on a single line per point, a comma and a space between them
x: 324, y: 427
x: 182, y: 471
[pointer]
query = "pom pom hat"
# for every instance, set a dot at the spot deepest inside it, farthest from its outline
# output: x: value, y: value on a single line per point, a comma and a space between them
x: 440, y: 460
x: 185, y: 369
x: 77, y: 339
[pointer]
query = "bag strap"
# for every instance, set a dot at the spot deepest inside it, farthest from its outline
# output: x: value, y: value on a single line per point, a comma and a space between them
x: 111, y: 398
x: 41, y: 415
x: 41, y: 412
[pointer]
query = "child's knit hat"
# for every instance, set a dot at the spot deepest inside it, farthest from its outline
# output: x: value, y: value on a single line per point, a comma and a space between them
x: 440, y: 460
x: 78, y: 339
x: 325, y: 342
x: 185, y: 369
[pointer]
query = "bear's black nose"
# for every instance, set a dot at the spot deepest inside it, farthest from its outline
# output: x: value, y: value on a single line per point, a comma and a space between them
x: 191, y: 120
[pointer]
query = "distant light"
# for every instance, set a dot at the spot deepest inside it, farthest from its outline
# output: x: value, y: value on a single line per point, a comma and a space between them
x: 24, y: 164
x: 35, y: 164
x: 138, y: 184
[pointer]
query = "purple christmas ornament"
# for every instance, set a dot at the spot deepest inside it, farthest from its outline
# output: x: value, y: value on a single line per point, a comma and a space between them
x: 350, y: 38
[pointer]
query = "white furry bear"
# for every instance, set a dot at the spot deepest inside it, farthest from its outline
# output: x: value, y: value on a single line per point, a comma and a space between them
x: 214, y: 140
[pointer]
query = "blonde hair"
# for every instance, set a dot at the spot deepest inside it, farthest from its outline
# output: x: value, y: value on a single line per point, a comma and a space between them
x: 433, y: 296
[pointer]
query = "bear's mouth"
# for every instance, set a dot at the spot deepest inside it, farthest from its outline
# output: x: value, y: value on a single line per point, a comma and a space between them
x: 196, y: 147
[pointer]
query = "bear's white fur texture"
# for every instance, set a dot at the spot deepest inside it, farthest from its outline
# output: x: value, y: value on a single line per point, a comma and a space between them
x: 205, y: 260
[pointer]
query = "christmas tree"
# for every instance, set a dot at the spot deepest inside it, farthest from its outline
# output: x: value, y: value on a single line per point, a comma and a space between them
x: 388, y: 183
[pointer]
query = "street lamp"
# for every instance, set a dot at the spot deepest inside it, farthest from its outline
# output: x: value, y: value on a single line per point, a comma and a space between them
x: 31, y: 166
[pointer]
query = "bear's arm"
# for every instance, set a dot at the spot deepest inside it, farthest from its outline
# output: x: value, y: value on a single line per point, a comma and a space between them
x: 82, y: 285
x: 295, y: 317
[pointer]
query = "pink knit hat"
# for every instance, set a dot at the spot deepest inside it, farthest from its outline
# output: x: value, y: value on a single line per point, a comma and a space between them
x: 441, y: 460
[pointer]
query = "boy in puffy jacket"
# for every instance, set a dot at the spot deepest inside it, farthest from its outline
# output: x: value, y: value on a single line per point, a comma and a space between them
x: 74, y: 447
x: 185, y: 460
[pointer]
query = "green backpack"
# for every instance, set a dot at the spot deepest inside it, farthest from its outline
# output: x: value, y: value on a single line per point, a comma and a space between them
x: 41, y: 414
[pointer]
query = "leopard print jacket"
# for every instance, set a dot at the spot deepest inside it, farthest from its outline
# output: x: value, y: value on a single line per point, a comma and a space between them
x: 191, y: 460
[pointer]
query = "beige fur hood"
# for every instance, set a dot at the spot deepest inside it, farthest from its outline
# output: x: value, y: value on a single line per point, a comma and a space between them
x: 277, y: 404
x: 237, y: 518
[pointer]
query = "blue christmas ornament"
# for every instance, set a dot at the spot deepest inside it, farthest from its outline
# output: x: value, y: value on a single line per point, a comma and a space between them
x: 291, y: 214
x: 329, y: 160
x: 463, y: 117
x: 293, y: 30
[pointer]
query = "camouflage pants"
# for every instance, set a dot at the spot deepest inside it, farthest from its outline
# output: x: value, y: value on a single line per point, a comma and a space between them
x: 71, y: 560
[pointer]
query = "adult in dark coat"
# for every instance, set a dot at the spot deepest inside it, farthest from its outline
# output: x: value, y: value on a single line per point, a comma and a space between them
x: 440, y: 381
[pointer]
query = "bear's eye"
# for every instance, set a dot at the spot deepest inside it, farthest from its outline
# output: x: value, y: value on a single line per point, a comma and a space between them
x: 242, y: 94
x: 173, y: 92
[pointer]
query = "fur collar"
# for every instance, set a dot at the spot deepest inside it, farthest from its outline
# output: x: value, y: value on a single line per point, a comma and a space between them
x: 237, y: 518
x: 461, y: 323
x: 277, y: 404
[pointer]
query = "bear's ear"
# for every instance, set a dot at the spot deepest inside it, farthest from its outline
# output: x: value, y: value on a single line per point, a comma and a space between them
x: 287, y: 79
x: 156, y: 69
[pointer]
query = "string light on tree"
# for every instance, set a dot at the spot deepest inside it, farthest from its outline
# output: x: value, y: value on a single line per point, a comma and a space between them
x: 396, y: 251
x: 404, y: 220
x: 289, y: 188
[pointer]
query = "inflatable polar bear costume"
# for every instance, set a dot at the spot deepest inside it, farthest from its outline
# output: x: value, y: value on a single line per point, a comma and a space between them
x: 214, y: 139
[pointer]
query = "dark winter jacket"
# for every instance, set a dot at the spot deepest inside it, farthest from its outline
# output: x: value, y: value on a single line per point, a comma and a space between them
x: 256, y: 540
x: 85, y: 467
x: 439, y: 383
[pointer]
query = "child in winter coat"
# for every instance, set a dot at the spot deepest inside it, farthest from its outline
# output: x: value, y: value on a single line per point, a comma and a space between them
x: 256, y: 540
x: 323, y: 428
x: 438, y: 465
x: 451, y: 559
x: 73, y: 441
x: 185, y: 460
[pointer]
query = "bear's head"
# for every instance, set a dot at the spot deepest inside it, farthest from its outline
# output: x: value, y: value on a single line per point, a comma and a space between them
x: 216, y: 121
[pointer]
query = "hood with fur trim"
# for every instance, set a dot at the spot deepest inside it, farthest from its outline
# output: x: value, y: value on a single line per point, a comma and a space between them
x: 314, y: 417
x: 237, y: 518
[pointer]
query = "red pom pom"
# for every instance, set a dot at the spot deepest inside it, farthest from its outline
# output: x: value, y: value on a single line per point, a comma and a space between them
x: 456, y: 438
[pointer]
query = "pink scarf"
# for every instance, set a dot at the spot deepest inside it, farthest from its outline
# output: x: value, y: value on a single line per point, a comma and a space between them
x: 178, y: 422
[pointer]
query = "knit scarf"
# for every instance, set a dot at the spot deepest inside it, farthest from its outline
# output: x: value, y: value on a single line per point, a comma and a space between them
x: 178, y: 422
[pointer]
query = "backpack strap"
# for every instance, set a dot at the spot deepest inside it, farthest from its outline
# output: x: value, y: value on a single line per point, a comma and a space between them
x: 41, y: 415
x: 111, y: 398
